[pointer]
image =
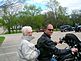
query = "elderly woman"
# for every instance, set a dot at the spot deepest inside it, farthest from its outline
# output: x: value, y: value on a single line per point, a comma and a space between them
x: 27, y: 50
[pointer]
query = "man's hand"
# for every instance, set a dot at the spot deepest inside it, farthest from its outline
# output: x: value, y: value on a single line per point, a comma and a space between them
x: 74, y: 50
x: 57, y: 42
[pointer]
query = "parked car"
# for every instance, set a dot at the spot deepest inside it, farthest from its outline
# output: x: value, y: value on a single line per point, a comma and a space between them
x: 65, y: 28
x: 78, y: 28
x: 40, y: 30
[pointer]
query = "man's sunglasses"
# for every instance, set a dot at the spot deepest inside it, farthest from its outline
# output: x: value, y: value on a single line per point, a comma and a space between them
x: 50, y: 29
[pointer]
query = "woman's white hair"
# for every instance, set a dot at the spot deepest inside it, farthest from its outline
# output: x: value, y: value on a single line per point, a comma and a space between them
x: 26, y: 29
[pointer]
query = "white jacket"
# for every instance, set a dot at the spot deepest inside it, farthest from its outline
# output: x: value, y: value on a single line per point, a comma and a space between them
x: 26, y: 48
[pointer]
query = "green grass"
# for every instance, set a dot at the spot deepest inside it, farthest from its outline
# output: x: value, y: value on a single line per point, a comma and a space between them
x: 2, y: 39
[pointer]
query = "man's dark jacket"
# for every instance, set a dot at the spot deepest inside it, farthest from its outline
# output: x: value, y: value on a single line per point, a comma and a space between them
x: 47, y: 48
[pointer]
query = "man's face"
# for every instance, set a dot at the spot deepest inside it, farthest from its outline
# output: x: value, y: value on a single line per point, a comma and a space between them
x: 49, y: 30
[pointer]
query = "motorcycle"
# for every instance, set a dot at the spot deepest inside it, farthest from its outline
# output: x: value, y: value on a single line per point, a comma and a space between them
x: 72, y: 41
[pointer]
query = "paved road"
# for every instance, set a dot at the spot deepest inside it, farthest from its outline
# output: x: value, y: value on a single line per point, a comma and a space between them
x: 1, y: 30
x: 8, y: 49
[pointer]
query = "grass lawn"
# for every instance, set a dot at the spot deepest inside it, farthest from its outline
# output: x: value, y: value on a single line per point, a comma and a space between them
x: 2, y: 39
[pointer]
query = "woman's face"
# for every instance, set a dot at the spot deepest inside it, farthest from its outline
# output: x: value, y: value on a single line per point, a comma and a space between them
x: 29, y: 33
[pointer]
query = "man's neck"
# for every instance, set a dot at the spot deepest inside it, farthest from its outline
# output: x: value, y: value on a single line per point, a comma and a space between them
x: 47, y: 35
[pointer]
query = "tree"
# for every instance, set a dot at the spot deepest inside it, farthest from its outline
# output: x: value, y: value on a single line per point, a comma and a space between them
x: 9, y: 10
x: 53, y: 5
x: 30, y: 16
x: 32, y: 10
x: 76, y: 16
x: 58, y: 14
x: 63, y: 16
x: 38, y: 21
x: 62, y: 10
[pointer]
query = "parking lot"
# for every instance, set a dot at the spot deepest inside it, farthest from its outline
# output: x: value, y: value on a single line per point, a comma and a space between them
x: 8, y: 49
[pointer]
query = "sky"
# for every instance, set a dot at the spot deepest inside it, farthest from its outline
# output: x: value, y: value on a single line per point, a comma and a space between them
x: 70, y: 4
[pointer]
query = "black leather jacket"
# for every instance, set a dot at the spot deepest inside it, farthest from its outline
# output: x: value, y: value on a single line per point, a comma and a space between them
x: 47, y: 48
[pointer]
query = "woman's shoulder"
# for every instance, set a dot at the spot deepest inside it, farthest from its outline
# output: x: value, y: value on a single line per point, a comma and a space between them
x: 27, y: 43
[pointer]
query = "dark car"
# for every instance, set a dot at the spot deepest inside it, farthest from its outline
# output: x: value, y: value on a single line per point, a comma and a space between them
x: 40, y: 30
x: 65, y: 28
x: 78, y: 28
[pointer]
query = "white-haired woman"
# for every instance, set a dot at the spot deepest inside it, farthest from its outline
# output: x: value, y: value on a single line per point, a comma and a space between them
x: 27, y: 50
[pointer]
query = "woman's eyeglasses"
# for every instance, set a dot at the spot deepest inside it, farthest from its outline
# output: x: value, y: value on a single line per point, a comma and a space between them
x: 50, y: 29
